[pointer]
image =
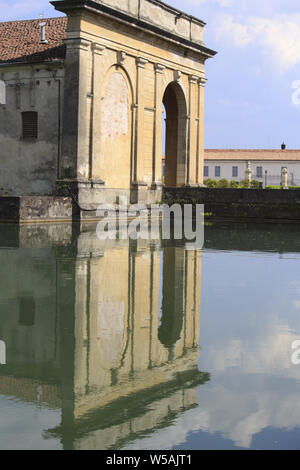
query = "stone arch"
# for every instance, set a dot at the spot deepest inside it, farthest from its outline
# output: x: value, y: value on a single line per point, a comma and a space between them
x: 174, y: 101
x: 116, y: 129
x: 2, y: 353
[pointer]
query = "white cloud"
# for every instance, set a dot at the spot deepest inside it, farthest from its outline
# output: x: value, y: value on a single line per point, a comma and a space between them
x: 232, y: 104
x: 278, y: 38
x: 235, y: 409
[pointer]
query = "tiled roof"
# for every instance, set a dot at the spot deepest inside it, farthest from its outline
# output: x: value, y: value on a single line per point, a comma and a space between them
x: 252, y: 154
x: 20, y: 41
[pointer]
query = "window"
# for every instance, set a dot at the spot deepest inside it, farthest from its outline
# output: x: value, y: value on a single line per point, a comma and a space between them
x: 259, y: 172
x: 217, y: 171
x: 30, y: 125
x: 206, y: 171
x: 235, y: 171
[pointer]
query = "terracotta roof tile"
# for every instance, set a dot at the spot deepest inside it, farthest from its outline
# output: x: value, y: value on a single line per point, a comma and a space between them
x: 20, y: 41
x: 252, y: 154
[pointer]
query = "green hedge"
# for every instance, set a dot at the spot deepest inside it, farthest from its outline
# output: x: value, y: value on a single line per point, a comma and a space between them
x: 280, y: 187
x: 224, y: 184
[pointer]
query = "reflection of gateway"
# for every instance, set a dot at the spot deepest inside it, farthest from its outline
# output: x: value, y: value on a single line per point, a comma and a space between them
x: 87, y: 337
x: 2, y: 353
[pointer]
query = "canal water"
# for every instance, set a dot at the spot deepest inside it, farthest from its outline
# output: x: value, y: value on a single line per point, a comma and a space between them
x: 146, y: 344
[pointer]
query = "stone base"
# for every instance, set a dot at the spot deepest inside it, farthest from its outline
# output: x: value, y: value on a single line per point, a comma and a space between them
x: 142, y: 194
x: 75, y: 201
x: 91, y: 194
x: 25, y: 209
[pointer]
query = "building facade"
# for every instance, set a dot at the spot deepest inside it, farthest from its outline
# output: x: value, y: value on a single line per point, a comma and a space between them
x: 84, y: 99
x: 266, y: 165
x: 32, y: 76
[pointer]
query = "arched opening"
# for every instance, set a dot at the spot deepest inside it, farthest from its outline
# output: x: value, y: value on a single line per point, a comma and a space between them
x: 174, y: 138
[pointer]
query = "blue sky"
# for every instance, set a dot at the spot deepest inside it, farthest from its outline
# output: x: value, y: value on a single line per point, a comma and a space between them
x: 249, y: 95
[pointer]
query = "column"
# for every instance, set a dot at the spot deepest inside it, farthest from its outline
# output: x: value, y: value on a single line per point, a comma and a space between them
x: 139, y: 124
x: 157, y: 132
x: 192, y: 135
x: 95, y: 141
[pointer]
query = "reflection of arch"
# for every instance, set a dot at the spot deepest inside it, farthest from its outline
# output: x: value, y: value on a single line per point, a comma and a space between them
x: 169, y: 331
x: 2, y: 353
x: 176, y: 143
x: 112, y: 332
x: 2, y: 92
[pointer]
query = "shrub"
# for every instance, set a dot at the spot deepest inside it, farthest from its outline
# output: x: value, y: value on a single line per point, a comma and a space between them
x: 273, y: 187
x: 234, y: 184
x: 245, y: 183
x: 211, y: 183
x: 255, y: 184
x: 223, y: 183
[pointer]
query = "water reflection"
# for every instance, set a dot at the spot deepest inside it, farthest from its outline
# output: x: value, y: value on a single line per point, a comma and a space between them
x: 105, y: 332
x: 102, y: 340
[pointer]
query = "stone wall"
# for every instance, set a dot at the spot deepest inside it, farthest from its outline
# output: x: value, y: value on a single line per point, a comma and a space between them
x: 241, y: 203
x: 36, y: 209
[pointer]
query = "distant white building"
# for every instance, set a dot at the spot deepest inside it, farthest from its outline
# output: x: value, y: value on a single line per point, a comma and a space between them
x: 266, y: 165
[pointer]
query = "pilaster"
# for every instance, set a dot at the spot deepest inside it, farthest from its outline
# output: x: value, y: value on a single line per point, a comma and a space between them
x: 139, y: 122
x: 96, y: 88
x: 158, y: 125
x: 200, y: 131
x: 76, y: 121
x: 192, y: 132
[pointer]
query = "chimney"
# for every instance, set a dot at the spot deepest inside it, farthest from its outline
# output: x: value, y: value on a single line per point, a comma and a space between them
x: 43, y: 33
x: 283, y: 146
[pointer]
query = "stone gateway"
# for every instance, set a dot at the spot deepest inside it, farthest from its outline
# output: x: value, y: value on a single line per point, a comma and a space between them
x: 113, y: 68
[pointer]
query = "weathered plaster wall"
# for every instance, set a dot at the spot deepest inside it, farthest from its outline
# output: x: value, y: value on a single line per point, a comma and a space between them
x: 29, y: 166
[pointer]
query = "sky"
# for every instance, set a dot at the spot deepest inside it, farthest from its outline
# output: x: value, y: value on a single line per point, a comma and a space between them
x: 253, y: 89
